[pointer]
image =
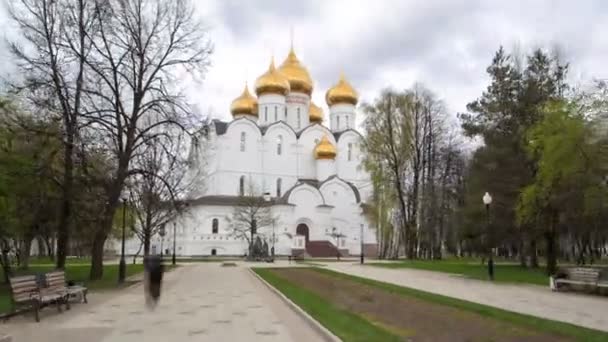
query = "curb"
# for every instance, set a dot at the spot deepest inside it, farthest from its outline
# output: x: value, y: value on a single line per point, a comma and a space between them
x: 323, y: 331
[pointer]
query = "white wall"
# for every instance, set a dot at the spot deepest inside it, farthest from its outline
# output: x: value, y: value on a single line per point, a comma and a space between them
x: 342, y: 117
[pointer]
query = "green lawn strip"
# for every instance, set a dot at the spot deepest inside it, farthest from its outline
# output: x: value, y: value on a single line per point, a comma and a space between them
x: 344, y: 324
x: 503, y: 273
x: 78, y: 273
x: 527, y: 321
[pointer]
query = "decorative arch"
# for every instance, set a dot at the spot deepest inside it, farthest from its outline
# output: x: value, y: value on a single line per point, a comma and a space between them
x: 303, y: 187
x: 317, y: 127
x: 347, y: 186
x: 240, y: 122
x: 284, y: 129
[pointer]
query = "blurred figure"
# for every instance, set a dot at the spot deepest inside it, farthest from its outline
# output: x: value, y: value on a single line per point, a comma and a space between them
x: 153, y: 277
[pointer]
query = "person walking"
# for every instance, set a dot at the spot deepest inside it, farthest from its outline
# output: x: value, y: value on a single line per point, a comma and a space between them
x: 153, y: 277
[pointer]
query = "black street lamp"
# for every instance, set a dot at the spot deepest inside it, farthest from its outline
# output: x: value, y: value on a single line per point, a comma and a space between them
x: 487, y: 200
x: 267, y: 199
x: 362, y: 254
x: 122, y: 266
x: 173, y: 258
x: 162, y: 233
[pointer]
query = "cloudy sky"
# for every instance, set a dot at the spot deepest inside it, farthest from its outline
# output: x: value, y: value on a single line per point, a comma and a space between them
x: 378, y: 43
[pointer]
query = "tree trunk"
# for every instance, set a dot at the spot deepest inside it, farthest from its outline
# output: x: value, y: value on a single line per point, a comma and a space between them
x: 551, y: 250
x: 63, y: 228
x: 26, y: 247
x: 97, y: 256
x: 5, y: 261
x: 532, y: 254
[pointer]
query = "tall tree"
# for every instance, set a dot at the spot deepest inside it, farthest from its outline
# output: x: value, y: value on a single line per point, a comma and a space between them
x: 53, y: 78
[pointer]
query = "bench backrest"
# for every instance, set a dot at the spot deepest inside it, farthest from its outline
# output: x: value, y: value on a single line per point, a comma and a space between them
x: 584, y: 274
x: 55, y: 280
x: 23, y: 287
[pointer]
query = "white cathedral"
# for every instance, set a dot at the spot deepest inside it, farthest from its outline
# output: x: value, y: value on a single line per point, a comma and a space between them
x: 311, y: 174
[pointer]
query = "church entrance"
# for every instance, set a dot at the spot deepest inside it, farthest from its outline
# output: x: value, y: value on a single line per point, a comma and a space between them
x: 302, y: 229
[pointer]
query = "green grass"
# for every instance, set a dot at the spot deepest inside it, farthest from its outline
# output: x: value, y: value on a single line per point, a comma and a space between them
x: 531, y: 322
x: 344, y: 324
x: 74, y: 271
x: 503, y: 272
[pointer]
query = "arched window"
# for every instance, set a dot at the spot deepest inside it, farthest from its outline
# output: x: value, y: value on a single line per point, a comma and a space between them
x: 276, y: 113
x: 350, y: 151
x: 347, y: 122
x: 243, y: 140
x: 337, y: 122
x: 214, y: 226
x: 316, y: 141
x: 242, y: 186
x: 299, y: 119
x: 278, y: 187
x: 285, y: 113
x: 266, y: 113
x: 214, y: 252
x: 280, y: 145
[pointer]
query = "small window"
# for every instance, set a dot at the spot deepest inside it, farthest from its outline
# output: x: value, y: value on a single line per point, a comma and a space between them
x: 350, y: 151
x: 276, y: 113
x: 279, y: 187
x: 338, y: 122
x: 266, y: 114
x: 299, y: 119
x: 242, y: 186
x: 213, y: 252
x: 280, y: 145
x: 285, y: 113
x: 214, y: 226
x: 243, y: 141
x: 316, y: 141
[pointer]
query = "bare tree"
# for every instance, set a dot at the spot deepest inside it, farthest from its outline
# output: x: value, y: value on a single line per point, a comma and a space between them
x: 50, y: 55
x: 157, y: 190
x: 140, y: 51
x: 250, y: 216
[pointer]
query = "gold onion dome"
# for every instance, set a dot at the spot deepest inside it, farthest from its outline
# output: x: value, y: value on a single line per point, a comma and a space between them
x: 325, y: 149
x: 296, y: 73
x: 315, y: 113
x: 342, y: 92
x: 244, y: 104
x: 272, y: 82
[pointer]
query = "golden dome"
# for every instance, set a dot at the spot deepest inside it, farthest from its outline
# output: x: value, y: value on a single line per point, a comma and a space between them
x: 342, y: 92
x: 244, y: 104
x: 315, y: 113
x: 325, y: 149
x: 272, y: 82
x: 296, y: 73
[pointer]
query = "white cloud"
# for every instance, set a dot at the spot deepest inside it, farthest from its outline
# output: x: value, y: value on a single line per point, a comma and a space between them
x: 446, y: 45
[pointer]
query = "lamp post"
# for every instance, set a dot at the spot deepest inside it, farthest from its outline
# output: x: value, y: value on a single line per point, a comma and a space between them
x: 173, y: 258
x: 487, y: 200
x: 122, y: 266
x: 362, y: 254
x: 162, y: 233
x: 267, y: 199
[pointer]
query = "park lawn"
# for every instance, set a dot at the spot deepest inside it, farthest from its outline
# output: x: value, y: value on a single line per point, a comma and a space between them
x: 344, y: 324
x: 77, y: 272
x: 539, y: 324
x: 503, y: 272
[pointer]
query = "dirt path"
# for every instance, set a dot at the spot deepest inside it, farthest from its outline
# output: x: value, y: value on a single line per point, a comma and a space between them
x: 579, y: 309
x: 414, y: 319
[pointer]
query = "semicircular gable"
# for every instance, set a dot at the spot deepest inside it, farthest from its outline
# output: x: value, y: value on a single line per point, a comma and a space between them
x: 240, y: 122
x: 347, y: 186
x: 308, y: 191
x: 281, y: 126
x: 315, y: 129
x: 350, y: 131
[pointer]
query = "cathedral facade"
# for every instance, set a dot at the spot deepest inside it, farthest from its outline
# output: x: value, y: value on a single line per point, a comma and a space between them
x: 278, y: 147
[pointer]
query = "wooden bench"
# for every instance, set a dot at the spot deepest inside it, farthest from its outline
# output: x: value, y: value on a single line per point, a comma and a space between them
x: 55, y: 282
x: 25, y: 292
x: 580, y: 276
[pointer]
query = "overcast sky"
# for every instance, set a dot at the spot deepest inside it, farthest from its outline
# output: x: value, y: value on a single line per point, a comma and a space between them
x: 446, y: 45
